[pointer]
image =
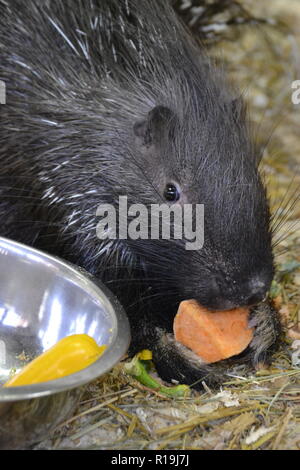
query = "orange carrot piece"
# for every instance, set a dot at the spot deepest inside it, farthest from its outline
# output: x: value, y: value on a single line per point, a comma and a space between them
x: 212, y: 335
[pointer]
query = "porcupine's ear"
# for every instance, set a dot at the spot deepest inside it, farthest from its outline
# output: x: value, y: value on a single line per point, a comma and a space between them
x: 159, y: 122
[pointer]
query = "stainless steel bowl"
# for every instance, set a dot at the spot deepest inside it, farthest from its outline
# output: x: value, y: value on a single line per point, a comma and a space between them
x: 43, y: 299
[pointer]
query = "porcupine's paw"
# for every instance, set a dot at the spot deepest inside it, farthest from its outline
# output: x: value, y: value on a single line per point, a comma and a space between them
x: 175, y: 362
x: 172, y: 360
x: 267, y: 330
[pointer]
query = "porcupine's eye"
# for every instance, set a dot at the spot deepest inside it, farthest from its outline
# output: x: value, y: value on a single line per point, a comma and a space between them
x: 171, y: 192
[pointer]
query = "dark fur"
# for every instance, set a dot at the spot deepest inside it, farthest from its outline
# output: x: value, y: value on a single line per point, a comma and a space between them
x: 109, y: 98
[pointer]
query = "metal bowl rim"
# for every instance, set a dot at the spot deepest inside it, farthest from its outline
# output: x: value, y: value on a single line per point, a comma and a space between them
x: 116, y: 350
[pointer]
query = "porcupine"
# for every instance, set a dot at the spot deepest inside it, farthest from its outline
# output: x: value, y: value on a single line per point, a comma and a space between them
x: 107, y: 98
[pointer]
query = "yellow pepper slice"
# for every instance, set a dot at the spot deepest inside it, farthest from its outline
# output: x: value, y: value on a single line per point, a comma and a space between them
x: 69, y: 355
x: 145, y: 355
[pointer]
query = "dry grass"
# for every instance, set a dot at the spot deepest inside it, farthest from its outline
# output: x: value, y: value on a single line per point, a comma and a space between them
x: 256, y: 411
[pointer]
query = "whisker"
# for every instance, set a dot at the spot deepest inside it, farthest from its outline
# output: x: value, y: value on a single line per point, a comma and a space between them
x: 288, y: 233
x: 160, y: 295
x: 285, y: 205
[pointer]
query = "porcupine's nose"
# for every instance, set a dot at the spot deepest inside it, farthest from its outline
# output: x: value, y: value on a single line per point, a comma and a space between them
x: 226, y: 296
x: 257, y: 289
